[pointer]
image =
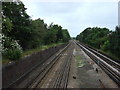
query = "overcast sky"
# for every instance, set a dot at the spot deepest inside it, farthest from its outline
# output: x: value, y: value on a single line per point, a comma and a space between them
x: 75, y: 16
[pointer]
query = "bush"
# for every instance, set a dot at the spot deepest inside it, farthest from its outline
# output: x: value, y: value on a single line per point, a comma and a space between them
x: 12, y: 54
x: 10, y: 48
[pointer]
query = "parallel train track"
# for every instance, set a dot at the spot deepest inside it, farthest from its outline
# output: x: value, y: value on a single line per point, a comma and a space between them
x: 36, y: 76
x: 111, y: 67
x: 61, y: 78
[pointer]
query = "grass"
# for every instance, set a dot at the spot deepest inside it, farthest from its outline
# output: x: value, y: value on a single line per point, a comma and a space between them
x: 80, y: 63
x: 31, y: 51
x: 28, y: 52
x: 5, y: 61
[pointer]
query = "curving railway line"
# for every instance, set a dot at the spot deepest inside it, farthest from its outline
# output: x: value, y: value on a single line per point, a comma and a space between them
x: 111, y: 67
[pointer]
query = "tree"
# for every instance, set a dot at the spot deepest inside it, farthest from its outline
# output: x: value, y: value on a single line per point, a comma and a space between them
x: 10, y: 48
x: 56, y: 34
x: 95, y: 36
x: 114, y: 39
x: 15, y: 13
x: 51, y: 36
x: 66, y: 36
x: 103, y: 39
x: 20, y: 30
x: 6, y: 26
x: 39, y: 29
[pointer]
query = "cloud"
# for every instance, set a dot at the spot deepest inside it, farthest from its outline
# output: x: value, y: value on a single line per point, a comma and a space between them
x: 71, y: 0
x: 75, y: 16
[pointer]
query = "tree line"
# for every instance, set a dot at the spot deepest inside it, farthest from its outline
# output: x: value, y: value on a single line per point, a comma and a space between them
x: 20, y: 32
x: 102, y: 39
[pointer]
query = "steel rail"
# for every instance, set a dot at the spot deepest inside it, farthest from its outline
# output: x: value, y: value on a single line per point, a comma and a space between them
x: 109, y: 69
x: 12, y: 85
x: 38, y: 79
x: 104, y: 57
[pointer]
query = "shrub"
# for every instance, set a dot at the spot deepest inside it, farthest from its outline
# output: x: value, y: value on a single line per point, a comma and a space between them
x: 10, y: 48
x: 12, y: 54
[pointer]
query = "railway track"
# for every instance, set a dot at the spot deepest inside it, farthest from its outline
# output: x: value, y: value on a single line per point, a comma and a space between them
x: 104, y: 57
x: 57, y: 75
x: 111, y: 67
x: 37, y: 78
x: 62, y: 78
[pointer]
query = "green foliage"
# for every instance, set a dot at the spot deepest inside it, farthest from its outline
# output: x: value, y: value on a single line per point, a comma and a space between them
x: 66, y: 36
x: 15, y: 14
x: 12, y: 54
x: 106, y: 46
x: 38, y: 32
x: 11, y: 48
x: 50, y: 37
x: 103, y: 39
x: 56, y: 34
x: 43, y: 47
x: 7, y: 26
x: 114, y: 39
x: 23, y: 33
x: 95, y: 37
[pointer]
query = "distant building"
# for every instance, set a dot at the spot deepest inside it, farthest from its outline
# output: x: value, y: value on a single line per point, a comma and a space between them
x: 119, y: 13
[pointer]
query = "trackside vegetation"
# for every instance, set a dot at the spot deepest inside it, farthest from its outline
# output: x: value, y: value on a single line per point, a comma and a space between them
x: 103, y: 39
x: 21, y: 34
